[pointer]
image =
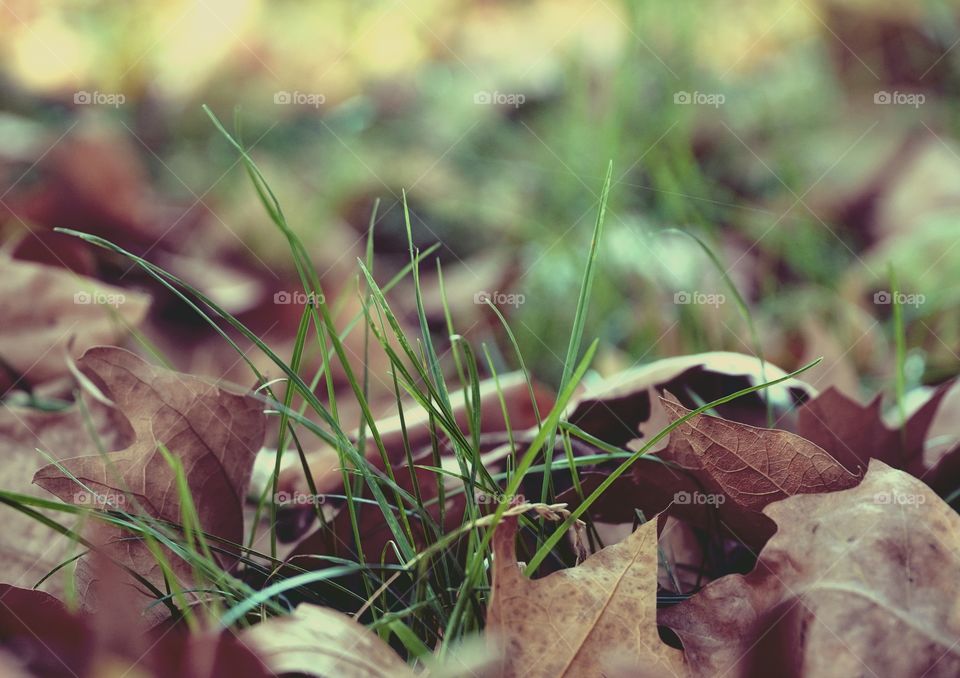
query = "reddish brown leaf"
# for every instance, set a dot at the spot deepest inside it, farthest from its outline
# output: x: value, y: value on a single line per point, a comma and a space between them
x: 756, y: 466
x: 853, y: 433
x: 44, y: 639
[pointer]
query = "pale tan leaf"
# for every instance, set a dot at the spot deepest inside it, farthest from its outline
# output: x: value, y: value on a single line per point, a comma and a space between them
x: 856, y: 582
x: 319, y: 641
x: 583, y: 620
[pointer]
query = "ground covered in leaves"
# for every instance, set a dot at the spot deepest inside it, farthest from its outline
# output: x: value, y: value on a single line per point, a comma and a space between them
x: 556, y: 338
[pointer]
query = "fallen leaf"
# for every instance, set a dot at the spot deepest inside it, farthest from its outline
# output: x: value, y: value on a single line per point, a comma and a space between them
x: 756, y: 466
x: 856, y: 582
x: 214, y: 433
x: 47, y: 640
x: 582, y: 620
x: 46, y: 309
x: 319, y: 641
x: 626, y: 407
x: 853, y: 433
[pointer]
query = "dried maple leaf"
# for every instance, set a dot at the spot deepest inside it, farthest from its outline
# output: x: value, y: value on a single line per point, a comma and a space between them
x: 214, y: 433
x: 583, y: 620
x: 856, y: 582
x: 853, y: 433
x: 756, y: 466
x: 44, y: 309
x: 319, y: 641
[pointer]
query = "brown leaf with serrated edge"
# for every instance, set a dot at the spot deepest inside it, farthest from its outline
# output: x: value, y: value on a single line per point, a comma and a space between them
x: 47, y: 310
x: 856, y: 582
x: 756, y: 466
x: 583, y: 620
x: 626, y: 407
x: 214, y: 433
x: 319, y: 641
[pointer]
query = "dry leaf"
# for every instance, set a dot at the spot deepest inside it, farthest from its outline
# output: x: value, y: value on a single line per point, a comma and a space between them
x: 43, y: 638
x: 214, y: 433
x: 856, y: 582
x: 756, y: 466
x: 45, y: 308
x: 627, y: 407
x: 319, y: 641
x: 582, y: 620
x: 853, y: 433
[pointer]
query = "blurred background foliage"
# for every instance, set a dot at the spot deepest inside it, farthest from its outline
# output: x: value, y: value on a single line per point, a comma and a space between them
x: 803, y: 185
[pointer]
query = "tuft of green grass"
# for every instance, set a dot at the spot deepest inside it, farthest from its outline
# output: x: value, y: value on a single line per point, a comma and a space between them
x: 434, y: 590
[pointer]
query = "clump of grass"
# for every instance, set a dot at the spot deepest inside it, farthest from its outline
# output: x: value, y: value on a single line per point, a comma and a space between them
x: 444, y: 571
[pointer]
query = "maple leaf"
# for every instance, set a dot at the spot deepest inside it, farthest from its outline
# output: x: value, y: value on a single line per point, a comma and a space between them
x: 857, y: 581
x: 853, y: 433
x: 214, y: 433
x: 583, y: 620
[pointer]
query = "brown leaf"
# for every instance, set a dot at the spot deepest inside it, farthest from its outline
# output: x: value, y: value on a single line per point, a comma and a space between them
x: 756, y: 466
x: 319, y: 641
x: 856, y: 582
x: 627, y: 407
x: 44, y: 309
x: 583, y: 620
x: 214, y: 433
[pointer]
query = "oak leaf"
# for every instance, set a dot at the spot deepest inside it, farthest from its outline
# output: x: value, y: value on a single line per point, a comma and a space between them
x: 584, y: 620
